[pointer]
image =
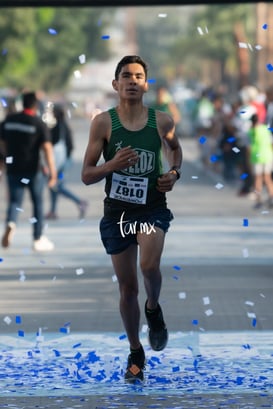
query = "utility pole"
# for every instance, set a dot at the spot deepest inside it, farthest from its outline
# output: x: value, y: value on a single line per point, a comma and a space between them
x: 264, y: 13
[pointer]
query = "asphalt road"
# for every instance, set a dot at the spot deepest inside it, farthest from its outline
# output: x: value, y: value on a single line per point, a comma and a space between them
x: 217, y: 266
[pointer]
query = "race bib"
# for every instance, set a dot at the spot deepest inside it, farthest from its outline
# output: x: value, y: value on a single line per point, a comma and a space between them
x: 129, y: 189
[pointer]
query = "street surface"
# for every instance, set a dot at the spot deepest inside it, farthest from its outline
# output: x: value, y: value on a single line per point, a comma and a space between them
x: 216, y: 295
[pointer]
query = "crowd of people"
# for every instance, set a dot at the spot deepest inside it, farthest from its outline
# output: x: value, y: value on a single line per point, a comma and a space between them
x: 236, y: 139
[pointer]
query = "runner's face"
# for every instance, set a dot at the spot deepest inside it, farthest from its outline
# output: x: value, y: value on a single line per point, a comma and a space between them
x: 131, y: 83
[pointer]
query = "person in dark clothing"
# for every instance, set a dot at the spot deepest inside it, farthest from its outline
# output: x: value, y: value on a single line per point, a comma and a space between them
x: 62, y: 140
x: 24, y: 137
x: 131, y: 136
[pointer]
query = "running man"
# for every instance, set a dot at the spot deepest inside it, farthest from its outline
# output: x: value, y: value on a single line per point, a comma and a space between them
x: 130, y: 137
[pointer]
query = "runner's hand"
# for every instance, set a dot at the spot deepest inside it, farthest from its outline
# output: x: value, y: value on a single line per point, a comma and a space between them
x: 124, y: 158
x: 166, y: 182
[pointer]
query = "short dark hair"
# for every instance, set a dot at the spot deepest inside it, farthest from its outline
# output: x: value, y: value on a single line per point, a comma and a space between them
x: 29, y: 99
x: 131, y: 59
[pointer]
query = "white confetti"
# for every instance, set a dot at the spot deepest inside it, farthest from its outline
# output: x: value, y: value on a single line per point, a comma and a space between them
x: 245, y: 253
x: 33, y: 220
x: 18, y: 209
x: 209, y: 312
x: 182, y: 296
x: 22, y: 276
x: 82, y: 58
x: 251, y: 303
x: 262, y: 295
x: 114, y: 278
x: 25, y: 181
x: 206, y: 300
x: 77, y: 74
x: 194, y: 177
x: 79, y: 271
x: 162, y: 15
x: 7, y: 320
x: 251, y: 315
x: 219, y: 186
x: 144, y: 328
x: 201, y: 32
x: 235, y: 149
x: 9, y: 159
x: 242, y: 45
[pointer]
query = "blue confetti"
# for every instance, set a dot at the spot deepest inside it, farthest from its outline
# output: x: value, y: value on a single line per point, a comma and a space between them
x: 265, y: 26
x: 1, y: 259
x: 77, y: 345
x: 246, y: 346
x: 245, y: 222
x: 64, y: 330
x: 52, y: 31
x: 4, y: 102
x: 231, y: 139
x: 123, y: 336
x: 177, y: 268
x: 176, y: 369
x: 175, y: 277
x: 92, y: 357
x: 57, y: 353
x: 151, y: 81
x: 18, y: 319
x: 239, y: 380
x: 105, y: 37
x: 202, y: 139
x: 4, y: 51
x: 78, y: 355
x: 214, y: 158
x: 155, y: 359
x: 254, y: 322
x: 21, y: 333
x: 195, y: 364
x: 195, y: 322
x: 244, y: 176
x: 269, y: 67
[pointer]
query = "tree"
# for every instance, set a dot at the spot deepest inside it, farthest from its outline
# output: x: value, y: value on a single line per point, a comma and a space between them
x: 17, y: 31
x: 41, y: 46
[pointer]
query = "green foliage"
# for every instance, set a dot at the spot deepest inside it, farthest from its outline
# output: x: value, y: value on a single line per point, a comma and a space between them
x: 33, y: 56
x: 17, y: 49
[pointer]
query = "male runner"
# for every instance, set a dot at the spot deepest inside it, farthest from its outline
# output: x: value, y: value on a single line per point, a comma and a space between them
x: 131, y: 137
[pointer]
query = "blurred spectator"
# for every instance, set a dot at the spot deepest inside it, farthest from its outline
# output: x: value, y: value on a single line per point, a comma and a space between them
x: 203, y: 124
x: 261, y: 158
x: 228, y: 145
x: 24, y: 135
x: 242, y: 123
x: 62, y: 140
x: 250, y: 96
x: 164, y: 102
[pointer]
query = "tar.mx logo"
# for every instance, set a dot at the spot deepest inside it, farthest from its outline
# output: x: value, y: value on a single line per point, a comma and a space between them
x: 126, y: 227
